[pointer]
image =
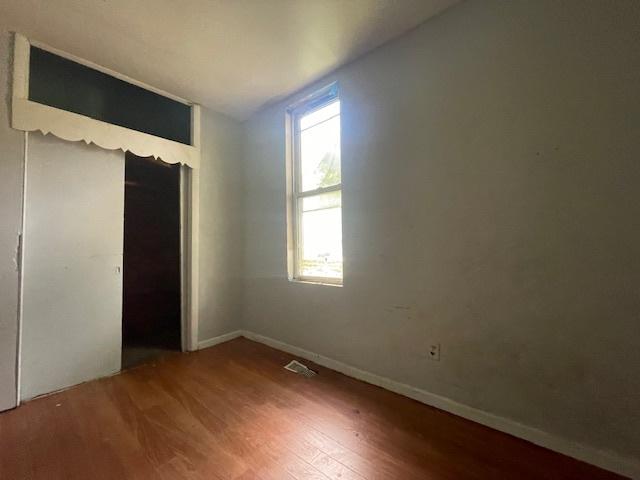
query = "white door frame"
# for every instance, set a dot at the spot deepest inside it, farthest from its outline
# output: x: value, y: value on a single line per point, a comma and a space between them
x: 30, y: 116
x: 189, y: 222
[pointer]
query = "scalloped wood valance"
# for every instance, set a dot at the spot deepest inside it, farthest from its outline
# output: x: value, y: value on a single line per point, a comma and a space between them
x: 30, y: 116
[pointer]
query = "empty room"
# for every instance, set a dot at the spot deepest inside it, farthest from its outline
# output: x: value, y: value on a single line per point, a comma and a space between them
x: 319, y: 239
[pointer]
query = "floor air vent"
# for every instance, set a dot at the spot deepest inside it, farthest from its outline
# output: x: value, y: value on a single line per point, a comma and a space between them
x: 296, y: 367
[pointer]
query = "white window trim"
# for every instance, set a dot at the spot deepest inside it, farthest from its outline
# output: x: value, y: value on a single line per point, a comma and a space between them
x: 308, y: 104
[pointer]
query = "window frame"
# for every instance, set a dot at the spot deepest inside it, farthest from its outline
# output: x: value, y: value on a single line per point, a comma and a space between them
x: 295, y: 194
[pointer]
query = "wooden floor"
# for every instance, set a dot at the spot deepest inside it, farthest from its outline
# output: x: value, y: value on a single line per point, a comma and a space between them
x: 232, y: 412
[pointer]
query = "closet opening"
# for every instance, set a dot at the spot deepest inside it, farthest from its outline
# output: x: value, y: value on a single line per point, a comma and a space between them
x: 151, y: 307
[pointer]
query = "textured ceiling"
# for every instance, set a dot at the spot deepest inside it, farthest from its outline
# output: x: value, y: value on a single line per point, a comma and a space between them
x: 230, y: 55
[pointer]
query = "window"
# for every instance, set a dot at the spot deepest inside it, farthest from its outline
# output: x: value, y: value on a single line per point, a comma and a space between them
x: 68, y: 85
x: 315, y: 210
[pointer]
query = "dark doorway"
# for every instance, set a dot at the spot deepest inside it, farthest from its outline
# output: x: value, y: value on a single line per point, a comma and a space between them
x: 151, y: 286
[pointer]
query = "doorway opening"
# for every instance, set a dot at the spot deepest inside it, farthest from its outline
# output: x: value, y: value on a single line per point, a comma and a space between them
x: 151, y: 306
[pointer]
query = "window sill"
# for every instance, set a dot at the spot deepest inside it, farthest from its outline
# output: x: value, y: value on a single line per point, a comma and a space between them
x: 317, y: 281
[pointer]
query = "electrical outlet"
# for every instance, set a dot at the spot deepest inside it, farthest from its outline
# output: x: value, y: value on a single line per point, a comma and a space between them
x: 434, y: 352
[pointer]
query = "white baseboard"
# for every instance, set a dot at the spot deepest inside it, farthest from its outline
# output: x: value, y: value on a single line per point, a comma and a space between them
x: 210, y: 342
x: 603, y: 459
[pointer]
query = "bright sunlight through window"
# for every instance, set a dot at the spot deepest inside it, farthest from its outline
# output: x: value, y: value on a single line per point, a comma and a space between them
x: 317, y: 191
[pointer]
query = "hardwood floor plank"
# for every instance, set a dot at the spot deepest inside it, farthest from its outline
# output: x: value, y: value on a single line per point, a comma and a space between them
x: 231, y: 412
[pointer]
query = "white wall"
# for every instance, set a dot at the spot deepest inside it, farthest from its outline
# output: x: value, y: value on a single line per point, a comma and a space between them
x: 221, y: 226
x: 11, y: 154
x: 72, y: 312
x: 491, y: 201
